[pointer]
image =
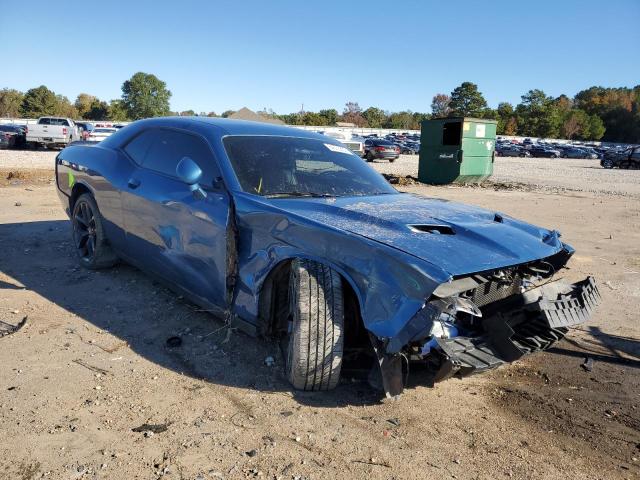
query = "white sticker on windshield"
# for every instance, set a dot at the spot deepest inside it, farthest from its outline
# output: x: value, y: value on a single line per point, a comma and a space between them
x: 338, y: 148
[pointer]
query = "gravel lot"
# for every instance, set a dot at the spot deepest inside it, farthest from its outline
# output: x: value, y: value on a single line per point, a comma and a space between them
x: 90, y: 373
x: 566, y: 174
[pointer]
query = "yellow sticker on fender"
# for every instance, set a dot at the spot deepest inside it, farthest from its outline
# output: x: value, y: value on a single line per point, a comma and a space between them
x: 72, y: 180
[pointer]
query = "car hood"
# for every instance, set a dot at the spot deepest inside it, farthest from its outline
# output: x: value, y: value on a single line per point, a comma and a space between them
x: 459, y: 239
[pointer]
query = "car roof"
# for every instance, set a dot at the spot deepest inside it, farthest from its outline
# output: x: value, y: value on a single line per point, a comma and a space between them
x: 235, y: 127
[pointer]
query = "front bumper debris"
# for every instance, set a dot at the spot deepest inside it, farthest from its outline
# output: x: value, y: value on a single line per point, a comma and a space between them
x: 521, y: 324
x: 507, y: 325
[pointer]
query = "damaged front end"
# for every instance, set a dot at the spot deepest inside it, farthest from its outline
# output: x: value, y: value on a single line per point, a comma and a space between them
x: 479, y: 322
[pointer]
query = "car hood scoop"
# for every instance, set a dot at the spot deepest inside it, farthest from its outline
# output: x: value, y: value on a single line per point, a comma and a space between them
x: 432, y: 228
x: 458, y: 238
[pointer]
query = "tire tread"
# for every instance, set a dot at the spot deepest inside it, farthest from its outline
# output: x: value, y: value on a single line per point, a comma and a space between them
x: 314, y: 356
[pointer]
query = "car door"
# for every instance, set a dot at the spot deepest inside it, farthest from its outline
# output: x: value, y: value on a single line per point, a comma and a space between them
x: 170, y: 232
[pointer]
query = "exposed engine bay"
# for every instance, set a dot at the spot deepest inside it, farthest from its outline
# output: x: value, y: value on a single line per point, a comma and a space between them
x: 479, y: 322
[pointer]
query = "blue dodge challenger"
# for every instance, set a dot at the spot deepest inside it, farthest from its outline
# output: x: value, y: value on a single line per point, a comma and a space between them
x: 288, y: 234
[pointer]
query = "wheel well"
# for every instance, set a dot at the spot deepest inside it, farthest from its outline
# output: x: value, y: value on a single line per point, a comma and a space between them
x: 78, y: 189
x: 274, y: 310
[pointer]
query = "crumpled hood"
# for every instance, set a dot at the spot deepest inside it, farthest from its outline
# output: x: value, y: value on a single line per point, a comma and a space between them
x: 458, y: 238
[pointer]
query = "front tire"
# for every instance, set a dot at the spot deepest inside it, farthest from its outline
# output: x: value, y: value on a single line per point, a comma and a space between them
x: 316, y: 328
x: 89, y: 239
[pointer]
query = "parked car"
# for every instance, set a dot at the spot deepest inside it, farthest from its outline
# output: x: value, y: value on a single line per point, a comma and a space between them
x: 592, y: 153
x: 629, y: 158
x: 99, y: 134
x: 410, y: 148
x: 4, y: 142
x: 537, y: 151
x: 287, y: 234
x: 84, y: 128
x: 380, y: 149
x: 574, y: 152
x: 510, y: 150
x: 14, y: 135
x: 52, y: 132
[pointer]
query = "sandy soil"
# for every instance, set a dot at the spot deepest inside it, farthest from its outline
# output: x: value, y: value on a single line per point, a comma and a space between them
x: 92, y: 364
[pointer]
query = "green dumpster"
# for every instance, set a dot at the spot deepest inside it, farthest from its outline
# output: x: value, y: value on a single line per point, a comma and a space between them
x: 456, y: 149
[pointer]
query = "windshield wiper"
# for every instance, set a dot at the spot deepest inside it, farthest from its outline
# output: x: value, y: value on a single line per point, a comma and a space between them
x: 298, y: 194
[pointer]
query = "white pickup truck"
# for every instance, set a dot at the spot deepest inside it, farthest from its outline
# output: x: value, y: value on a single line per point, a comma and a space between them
x: 52, y: 131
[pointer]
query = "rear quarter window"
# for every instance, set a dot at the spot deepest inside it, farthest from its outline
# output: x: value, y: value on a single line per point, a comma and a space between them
x: 160, y: 149
x: 138, y: 147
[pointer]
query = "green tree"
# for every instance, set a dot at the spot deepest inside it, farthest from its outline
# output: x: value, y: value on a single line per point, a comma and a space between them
x: 375, y: 117
x: 313, y: 118
x: 10, y: 102
x: 331, y: 116
x: 227, y: 113
x: 418, y: 118
x: 64, y: 108
x: 538, y: 115
x: 38, y: 102
x: 290, y: 118
x: 597, y: 129
x: 504, y: 113
x: 440, y: 105
x: 401, y: 120
x: 574, y: 124
x: 98, y: 110
x: 144, y: 95
x: 466, y: 100
x: 117, y: 111
x: 83, y: 104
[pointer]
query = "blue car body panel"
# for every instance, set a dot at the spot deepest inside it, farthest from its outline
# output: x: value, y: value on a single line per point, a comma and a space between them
x: 393, y: 249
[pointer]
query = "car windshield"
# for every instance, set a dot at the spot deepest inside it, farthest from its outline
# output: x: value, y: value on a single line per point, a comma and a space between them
x: 301, y: 167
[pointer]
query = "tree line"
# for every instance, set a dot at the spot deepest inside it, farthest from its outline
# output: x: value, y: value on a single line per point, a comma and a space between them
x: 597, y: 113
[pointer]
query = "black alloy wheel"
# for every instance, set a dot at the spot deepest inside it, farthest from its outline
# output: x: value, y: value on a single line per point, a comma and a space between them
x: 84, y: 230
x: 89, y: 239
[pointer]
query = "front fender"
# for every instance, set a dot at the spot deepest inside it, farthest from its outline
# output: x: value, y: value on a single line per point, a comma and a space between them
x: 391, y: 286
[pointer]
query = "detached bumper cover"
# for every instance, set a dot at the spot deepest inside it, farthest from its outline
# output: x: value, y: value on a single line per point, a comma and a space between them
x: 521, y: 324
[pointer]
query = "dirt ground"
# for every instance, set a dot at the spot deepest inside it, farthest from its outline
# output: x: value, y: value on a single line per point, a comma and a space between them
x: 92, y: 364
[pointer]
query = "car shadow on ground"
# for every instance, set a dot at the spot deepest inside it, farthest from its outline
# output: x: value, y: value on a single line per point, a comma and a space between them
x: 602, y: 347
x: 140, y: 313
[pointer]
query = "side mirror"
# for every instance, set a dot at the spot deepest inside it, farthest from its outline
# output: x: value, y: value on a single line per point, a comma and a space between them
x: 190, y: 173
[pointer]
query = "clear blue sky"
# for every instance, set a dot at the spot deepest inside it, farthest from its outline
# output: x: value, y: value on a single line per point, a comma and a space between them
x: 218, y: 55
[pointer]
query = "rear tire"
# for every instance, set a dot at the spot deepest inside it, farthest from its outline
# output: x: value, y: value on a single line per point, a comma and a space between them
x: 89, y: 239
x: 369, y: 157
x: 316, y: 338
